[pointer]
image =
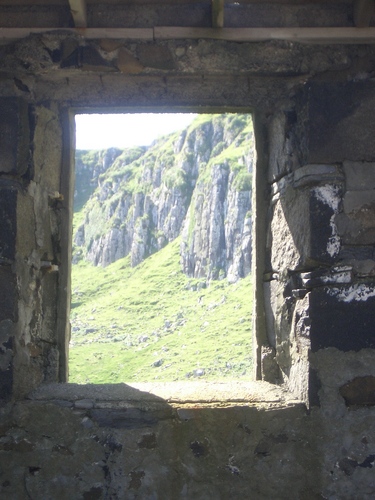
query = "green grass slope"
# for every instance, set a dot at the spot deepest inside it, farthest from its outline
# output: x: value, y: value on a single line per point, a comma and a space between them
x: 152, y: 322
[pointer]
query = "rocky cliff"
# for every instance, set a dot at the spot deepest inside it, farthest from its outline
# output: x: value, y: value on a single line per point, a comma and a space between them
x: 195, y: 183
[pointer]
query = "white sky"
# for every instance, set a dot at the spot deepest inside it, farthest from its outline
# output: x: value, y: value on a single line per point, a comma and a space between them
x: 102, y: 131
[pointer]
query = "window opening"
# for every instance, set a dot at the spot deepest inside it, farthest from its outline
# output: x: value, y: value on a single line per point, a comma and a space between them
x: 161, y: 283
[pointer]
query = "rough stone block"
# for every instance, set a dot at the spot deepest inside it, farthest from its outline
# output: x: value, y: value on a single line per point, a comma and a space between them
x: 8, y: 294
x: 322, y: 276
x: 25, y: 224
x: 337, y: 114
x: 131, y: 418
x: 126, y: 63
x: 303, y: 230
x: 6, y: 383
x: 277, y: 166
x: 86, y: 58
x: 84, y: 404
x: 69, y: 53
x: 188, y: 413
x: 91, y: 60
x: 270, y: 290
x: 356, y: 252
x: 298, y: 379
x: 342, y: 317
x: 314, y: 387
x: 269, y: 366
x: 290, y: 232
x: 362, y: 267
x: 49, y: 296
x: 47, y: 153
x: 8, y: 224
x: 356, y: 225
x: 6, y: 357
x: 148, y: 441
x: 283, y: 154
x: 51, y: 357
x: 358, y: 200
x: 359, y: 175
x: 156, y: 57
x: 352, y: 230
x: 359, y: 391
x: 110, y: 45
x: 317, y: 174
x: 14, y: 136
x: 324, y: 205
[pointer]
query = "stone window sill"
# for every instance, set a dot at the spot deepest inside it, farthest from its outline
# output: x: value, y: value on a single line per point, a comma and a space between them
x: 143, y: 404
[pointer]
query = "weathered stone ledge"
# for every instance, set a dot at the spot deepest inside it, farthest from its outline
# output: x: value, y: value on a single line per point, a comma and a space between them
x: 218, y: 394
x: 307, y: 175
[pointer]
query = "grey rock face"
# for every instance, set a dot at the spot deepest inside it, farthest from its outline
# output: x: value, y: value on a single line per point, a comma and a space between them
x: 216, y: 238
x: 196, y: 183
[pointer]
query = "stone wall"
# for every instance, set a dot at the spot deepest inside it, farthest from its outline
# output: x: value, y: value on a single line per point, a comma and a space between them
x: 312, y: 436
x: 319, y: 285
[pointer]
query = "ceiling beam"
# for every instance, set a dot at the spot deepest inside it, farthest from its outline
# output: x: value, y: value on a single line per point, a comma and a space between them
x: 36, y: 3
x: 297, y: 35
x: 217, y: 13
x: 363, y: 11
x: 142, y: 34
x: 79, y: 13
x: 167, y: 2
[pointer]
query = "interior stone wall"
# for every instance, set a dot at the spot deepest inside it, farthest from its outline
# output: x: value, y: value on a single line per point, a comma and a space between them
x: 319, y: 288
x: 314, y: 272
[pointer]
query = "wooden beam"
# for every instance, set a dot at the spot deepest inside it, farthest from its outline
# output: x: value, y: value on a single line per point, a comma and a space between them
x: 363, y: 12
x: 297, y: 35
x: 13, y: 3
x: 217, y: 13
x: 79, y: 13
x: 165, y: 2
x: 143, y: 34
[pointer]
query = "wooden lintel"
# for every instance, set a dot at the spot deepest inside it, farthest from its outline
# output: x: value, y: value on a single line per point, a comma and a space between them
x: 363, y: 12
x: 79, y: 13
x: 297, y: 35
x: 217, y: 13
x: 7, y: 34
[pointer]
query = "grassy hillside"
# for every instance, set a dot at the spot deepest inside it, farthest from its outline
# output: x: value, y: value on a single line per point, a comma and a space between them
x: 152, y: 322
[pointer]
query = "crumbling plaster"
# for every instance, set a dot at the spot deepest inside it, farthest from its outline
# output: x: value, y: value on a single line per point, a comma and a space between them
x: 313, y: 246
